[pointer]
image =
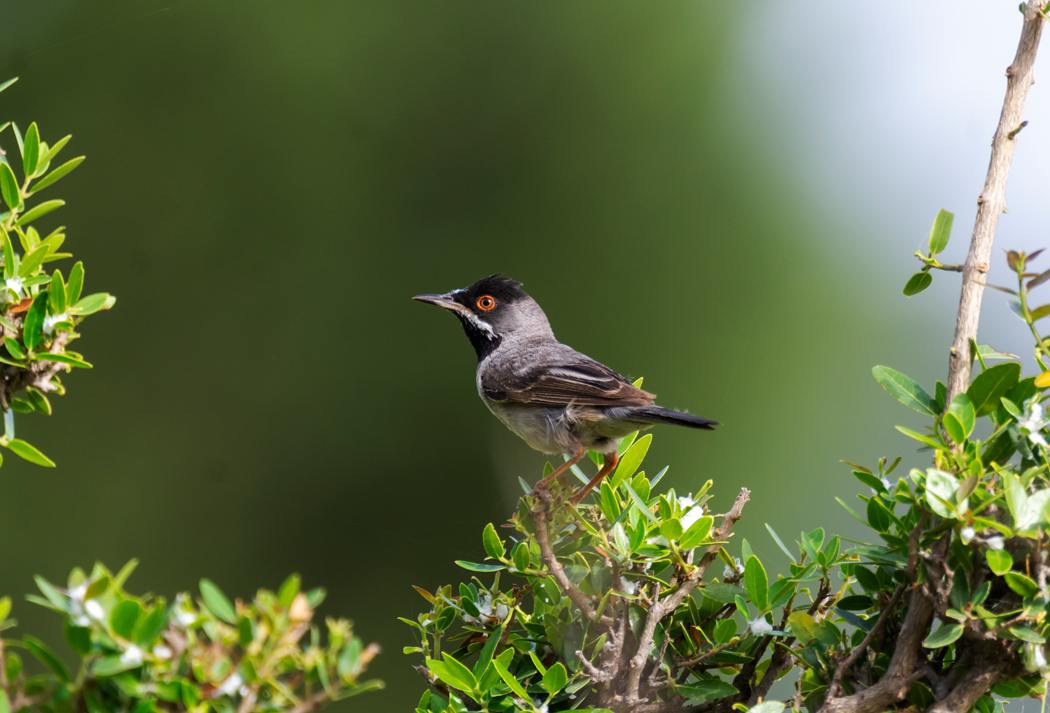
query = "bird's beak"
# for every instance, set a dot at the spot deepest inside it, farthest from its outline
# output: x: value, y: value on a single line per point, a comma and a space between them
x: 445, y: 301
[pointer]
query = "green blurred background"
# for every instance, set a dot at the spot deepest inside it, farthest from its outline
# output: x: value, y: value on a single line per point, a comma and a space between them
x: 269, y: 182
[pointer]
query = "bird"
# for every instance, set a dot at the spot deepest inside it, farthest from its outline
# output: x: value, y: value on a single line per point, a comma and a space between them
x: 553, y: 397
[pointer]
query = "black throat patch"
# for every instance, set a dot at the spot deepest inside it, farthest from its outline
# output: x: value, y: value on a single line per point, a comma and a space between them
x: 484, y: 342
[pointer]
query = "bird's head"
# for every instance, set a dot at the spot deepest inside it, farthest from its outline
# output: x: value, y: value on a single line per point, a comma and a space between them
x: 491, y: 310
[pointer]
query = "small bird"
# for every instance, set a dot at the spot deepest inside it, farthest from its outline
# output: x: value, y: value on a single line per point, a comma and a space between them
x: 551, y: 396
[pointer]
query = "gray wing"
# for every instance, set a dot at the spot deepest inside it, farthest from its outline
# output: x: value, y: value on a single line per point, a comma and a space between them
x: 584, y: 382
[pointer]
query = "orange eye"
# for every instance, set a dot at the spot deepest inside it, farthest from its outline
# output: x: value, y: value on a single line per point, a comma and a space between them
x: 486, y: 303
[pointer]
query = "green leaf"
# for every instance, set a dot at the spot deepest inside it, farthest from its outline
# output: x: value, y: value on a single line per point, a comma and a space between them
x: 555, y: 678
x: 940, y: 232
x: 767, y: 707
x: 288, y: 591
x: 75, y: 284
x: 78, y: 637
x: 453, y: 673
x: 493, y: 544
x: 925, y: 440
x: 218, y: 603
x: 45, y: 655
x: 947, y: 634
x: 940, y: 492
x: 757, y: 583
x: 39, y: 211
x: 111, y: 665
x: 63, y: 359
x: 57, y: 293
x: 632, y: 459
x: 34, y: 323
x: 1016, y: 499
x: 32, y: 261
x: 1021, y: 584
x: 476, y: 567
x: 697, y: 533
x: 124, y: 616
x: 152, y: 625
x: 992, y: 384
x: 56, y: 174
x: 90, y: 304
x: 9, y: 254
x: 8, y: 83
x: 508, y: 679
x: 31, y: 150
x: 642, y: 506
x: 9, y: 187
x: 1025, y: 634
x: 671, y: 529
x: 917, y: 283
x: 29, y: 453
x: 14, y: 348
x: 904, y: 390
x: 52, y: 152
x: 522, y: 557
x: 707, y: 689
x: 486, y: 653
x: 961, y: 415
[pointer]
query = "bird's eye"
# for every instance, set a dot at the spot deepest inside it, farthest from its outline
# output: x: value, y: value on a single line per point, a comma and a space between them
x: 486, y: 303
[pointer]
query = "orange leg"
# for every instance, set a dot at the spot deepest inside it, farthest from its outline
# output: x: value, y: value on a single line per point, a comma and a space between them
x: 543, y: 484
x: 610, y: 462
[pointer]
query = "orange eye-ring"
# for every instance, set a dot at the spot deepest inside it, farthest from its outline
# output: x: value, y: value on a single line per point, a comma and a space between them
x: 486, y: 303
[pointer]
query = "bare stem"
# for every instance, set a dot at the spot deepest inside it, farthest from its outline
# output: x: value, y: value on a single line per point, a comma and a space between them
x: 992, y: 201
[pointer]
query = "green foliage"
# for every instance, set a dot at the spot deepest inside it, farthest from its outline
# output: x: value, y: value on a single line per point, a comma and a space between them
x: 39, y: 311
x: 143, y: 654
x: 573, y: 600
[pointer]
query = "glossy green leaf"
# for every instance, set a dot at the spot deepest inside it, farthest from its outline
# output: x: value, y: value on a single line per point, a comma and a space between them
x: 925, y: 440
x: 452, y: 672
x: 64, y: 359
x: 289, y: 590
x: 477, y: 567
x: 78, y: 637
x: 555, y: 678
x: 57, y: 293
x: 90, y: 304
x: 707, y: 689
x: 632, y: 459
x: 52, y: 152
x: 56, y: 174
x: 947, y: 634
x: 941, y: 231
x: 47, y: 657
x: 152, y: 625
x: 75, y: 284
x: 757, y: 583
x: 9, y: 186
x: 961, y: 415
x: 34, y: 323
x: 1021, y: 584
x: 509, y: 680
x: 999, y: 561
x: 32, y: 261
x: 494, y: 547
x: 39, y: 211
x: 29, y: 453
x: 14, y: 348
x: 697, y: 533
x: 218, y: 603
x: 917, y: 283
x: 904, y: 390
x: 124, y: 617
x: 671, y: 529
x: 31, y: 150
x: 992, y: 384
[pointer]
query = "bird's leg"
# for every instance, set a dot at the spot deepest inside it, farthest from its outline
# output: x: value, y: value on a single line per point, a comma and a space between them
x: 543, y: 484
x: 610, y: 462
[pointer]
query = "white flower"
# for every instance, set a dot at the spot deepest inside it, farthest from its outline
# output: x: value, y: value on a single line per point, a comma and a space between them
x: 995, y: 542
x: 230, y: 685
x: 15, y: 284
x: 759, y: 626
x: 76, y: 605
x: 691, y: 516
x: 543, y: 708
x: 628, y: 587
x: 162, y: 652
x: 132, y: 655
x: 94, y: 610
x: 1039, y: 658
x: 184, y: 618
x: 1032, y: 422
x: 502, y: 611
x: 886, y: 482
x: 52, y: 319
x: 966, y: 534
x: 729, y: 573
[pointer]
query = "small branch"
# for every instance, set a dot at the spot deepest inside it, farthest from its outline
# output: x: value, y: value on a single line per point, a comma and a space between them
x: 312, y: 703
x: 992, y: 201
x: 547, y: 553
x: 706, y: 655
x: 836, y: 681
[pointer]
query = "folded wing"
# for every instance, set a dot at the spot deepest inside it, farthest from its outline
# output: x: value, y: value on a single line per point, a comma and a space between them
x: 583, y: 383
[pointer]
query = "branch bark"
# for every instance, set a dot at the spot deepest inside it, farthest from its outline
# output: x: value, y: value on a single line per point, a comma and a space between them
x: 992, y: 200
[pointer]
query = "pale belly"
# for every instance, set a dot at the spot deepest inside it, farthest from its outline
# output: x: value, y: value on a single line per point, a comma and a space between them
x: 559, y: 429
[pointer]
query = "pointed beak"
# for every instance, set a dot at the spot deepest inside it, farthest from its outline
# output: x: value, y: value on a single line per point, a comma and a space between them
x: 445, y: 301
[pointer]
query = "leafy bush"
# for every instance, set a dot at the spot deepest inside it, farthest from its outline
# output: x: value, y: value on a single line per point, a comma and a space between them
x: 143, y: 654
x: 618, y: 605
x: 39, y: 311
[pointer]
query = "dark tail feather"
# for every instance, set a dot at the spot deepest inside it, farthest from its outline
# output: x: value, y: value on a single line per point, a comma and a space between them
x: 659, y: 414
